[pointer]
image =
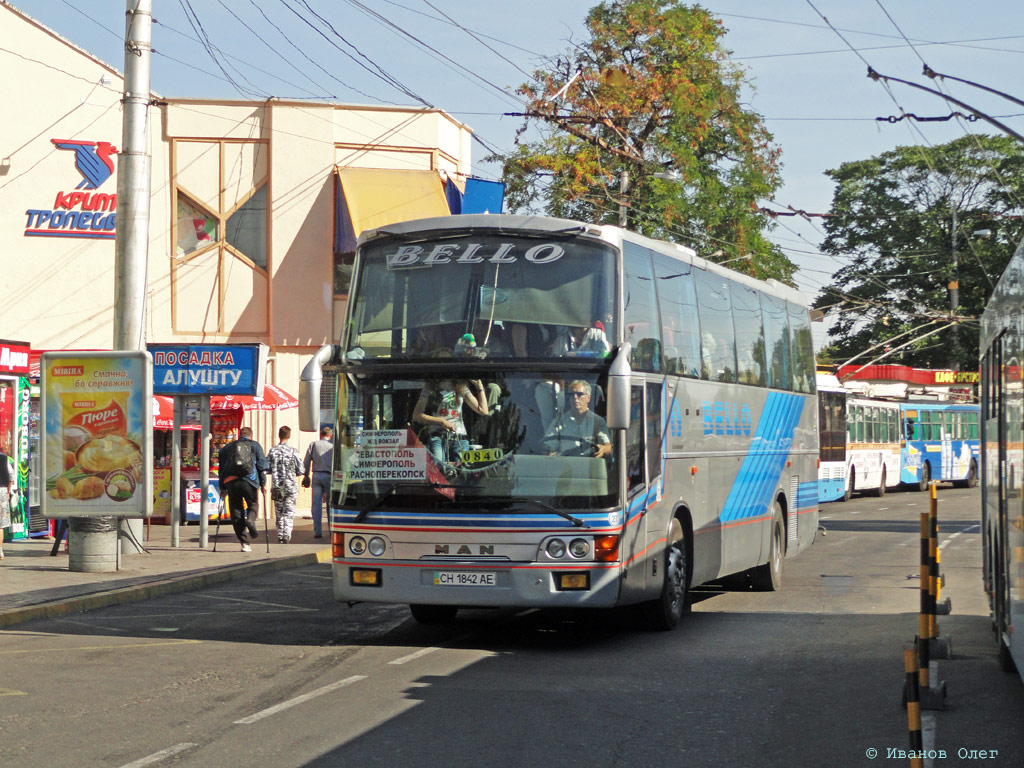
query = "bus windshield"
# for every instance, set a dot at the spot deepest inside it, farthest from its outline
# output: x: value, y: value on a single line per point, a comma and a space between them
x: 504, y: 440
x: 494, y: 295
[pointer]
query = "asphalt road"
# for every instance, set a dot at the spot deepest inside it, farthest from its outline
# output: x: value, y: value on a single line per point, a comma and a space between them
x: 272, y: 672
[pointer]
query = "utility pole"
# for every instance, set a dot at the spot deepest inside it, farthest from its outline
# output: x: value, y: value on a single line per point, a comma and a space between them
x: 623, y: 200
x: 131, y: 241
x: 954, y: 294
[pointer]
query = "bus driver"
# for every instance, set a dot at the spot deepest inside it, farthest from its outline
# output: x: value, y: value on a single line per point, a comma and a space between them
x: 579, y: 431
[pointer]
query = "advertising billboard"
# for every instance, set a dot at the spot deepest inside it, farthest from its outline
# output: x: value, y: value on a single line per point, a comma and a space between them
x: 97, y: 446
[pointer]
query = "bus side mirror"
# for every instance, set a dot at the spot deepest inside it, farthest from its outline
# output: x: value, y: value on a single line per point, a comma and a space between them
x: 309, y: 389
x: 618, y: 389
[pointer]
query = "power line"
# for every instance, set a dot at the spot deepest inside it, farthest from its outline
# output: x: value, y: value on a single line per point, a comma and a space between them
x: 306, y: 56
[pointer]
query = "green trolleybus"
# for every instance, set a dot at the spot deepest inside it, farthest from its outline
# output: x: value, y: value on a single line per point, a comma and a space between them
x: 540, y: 412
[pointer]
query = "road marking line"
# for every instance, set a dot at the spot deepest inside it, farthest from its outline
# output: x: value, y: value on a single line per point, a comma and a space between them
x: 308, y: 576
x: 156, y: 757
x: 11, y: 692
x: 954, y: 535
x: 299, y: 699
x: 928, y: 735
x: 421, y: 652
x: 98, y: 647
x: 259, y: 602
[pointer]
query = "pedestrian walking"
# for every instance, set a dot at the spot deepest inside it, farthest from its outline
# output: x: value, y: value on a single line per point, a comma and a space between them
x: 241, y: 474
x: 285, y: 466
x: 7, y: 493
x: 316, y: 467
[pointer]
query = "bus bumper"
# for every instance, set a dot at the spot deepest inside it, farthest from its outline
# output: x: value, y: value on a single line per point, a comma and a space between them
x: 477, y: 584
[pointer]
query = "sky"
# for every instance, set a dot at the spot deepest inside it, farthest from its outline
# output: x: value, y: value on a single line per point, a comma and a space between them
x: 806, y: 62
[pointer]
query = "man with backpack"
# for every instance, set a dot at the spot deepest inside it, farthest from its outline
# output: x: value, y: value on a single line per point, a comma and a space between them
x: 241, y: 475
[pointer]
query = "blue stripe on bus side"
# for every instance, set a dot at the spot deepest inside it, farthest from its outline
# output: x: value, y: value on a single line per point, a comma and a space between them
x: 807, y: 495
x: 748, y: 488
x: 759, y: 474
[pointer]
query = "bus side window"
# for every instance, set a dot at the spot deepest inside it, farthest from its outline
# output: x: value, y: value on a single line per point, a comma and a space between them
x: 654, y: 427
x: 640, y: 313
x: 635, y: 448
x: 680, y: 326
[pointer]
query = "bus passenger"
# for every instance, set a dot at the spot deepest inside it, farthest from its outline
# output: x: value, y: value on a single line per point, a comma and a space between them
x: 440, y: 409
x: 579, y: 431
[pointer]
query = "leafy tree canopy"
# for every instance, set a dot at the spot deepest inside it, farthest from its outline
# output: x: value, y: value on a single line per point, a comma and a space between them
x: 898, y: 219
x: 651, y: 91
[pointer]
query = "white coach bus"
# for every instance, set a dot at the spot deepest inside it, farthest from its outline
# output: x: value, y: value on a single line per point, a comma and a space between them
x: 540, y: 412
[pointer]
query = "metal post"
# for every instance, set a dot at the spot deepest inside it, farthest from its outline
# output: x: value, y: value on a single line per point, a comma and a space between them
x: 204, y: 472
x: 133, y: 183
x: 176, y: 473
x: 911, y: 693
x: 131, y: 238
x: 954, y: 295
x: 133, y: 190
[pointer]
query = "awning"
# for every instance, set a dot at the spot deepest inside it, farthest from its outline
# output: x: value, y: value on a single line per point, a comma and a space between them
x: 375, y: 197
x: 483, y: 196
x: 274, y: 399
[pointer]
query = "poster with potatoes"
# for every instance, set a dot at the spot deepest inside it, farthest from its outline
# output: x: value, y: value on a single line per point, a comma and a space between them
x: 98, y: 434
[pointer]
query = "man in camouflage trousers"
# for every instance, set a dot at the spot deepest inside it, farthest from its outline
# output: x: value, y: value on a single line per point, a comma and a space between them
x: 285, y: 466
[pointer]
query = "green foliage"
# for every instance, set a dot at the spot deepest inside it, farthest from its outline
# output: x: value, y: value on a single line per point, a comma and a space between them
x: 651, y: 90
x: 892, y: 220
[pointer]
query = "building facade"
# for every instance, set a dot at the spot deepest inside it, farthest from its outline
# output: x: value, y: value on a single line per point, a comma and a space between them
x: 254, y: 207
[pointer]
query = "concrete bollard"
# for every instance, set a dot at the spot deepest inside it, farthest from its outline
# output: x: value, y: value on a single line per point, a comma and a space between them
x: 93, y: 545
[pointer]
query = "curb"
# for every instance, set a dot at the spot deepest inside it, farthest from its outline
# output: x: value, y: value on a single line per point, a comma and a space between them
x: 167, y: 586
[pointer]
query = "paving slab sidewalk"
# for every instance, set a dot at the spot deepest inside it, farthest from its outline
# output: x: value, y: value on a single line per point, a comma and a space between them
x: 36, y: 585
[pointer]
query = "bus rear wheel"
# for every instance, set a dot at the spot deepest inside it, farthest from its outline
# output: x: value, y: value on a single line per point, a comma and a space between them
x: 433, y: 614
x: 880, y: 490
x: 768, y: 577
x: 666, y: 612
x: 849, y: 484
x: 971, y: 481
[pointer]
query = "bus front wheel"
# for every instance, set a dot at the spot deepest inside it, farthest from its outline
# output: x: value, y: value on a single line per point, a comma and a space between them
x: 768, y: 577
x: 925, y: 476
x: 434, y: 614
x: 666, y: 612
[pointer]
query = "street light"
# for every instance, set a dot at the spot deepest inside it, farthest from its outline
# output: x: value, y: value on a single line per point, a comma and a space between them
x: 667, y: 175
x: 720, y: 252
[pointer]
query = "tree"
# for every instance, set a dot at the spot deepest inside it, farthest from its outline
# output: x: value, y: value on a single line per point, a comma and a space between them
x: 650, y: 91
x: 899, y: 218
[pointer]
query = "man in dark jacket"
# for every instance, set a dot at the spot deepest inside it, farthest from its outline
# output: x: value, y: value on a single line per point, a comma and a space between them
x: 242, y: 493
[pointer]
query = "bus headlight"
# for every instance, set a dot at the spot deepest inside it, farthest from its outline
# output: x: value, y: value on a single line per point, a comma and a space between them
x: 556, y: 548
x: 377, y: 546
x: 579, y: 548
x: 357, y: 545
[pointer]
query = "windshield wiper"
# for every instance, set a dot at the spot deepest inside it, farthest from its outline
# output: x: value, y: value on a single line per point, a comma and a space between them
x: 548, y: 508
x: 379, y: 501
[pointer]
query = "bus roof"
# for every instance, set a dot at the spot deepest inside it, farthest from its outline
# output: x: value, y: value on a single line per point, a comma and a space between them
x: 504, y: 222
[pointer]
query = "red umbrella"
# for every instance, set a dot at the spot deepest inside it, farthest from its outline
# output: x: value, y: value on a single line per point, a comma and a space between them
x: 163, y: 413
x: 274, y: 399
